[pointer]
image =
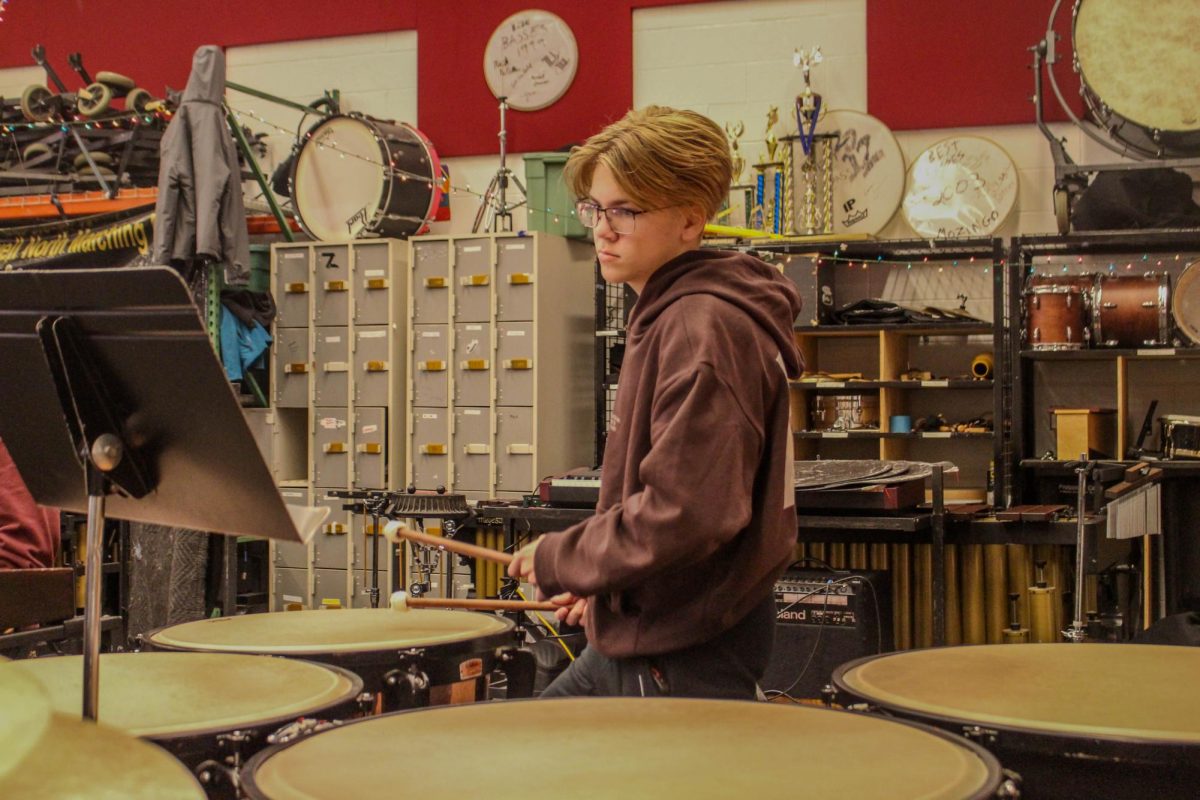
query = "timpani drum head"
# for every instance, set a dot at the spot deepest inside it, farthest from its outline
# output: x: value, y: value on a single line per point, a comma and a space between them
x: 868, y: 171
x: 1140, y: 64
x: 163, y: 695
x: 622, y: 748
x: 960, y: 187
x: 1121, y: 692
x: 24, y: 715
x: 318, y: 631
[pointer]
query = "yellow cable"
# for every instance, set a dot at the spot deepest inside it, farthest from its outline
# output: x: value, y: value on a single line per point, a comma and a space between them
x: 553, y: 630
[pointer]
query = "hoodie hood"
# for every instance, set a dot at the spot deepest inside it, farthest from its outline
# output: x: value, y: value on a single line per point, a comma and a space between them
x: 206, y: 84
x: 742, y: 280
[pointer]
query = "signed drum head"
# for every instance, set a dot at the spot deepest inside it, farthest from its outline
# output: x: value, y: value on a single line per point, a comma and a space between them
x: 868, y: 172
x: 960, y: 187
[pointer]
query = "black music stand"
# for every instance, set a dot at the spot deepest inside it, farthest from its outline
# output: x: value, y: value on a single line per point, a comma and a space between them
x: 113, y: 400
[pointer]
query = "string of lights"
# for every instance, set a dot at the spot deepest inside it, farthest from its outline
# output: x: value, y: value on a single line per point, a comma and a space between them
x: 118, y: 120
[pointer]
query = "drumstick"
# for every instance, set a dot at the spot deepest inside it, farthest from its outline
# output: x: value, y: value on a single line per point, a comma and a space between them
x: 396, y: 530
x: 402, y: 602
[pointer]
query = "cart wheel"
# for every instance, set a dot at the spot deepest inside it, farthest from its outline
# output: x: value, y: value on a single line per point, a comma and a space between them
x: 1062, y: 209
x: 137, y: 99
x: 115, y: 79
x: 101, y: 158
x: 35, y: 103
x: 34, y: 150
x: 94, y: 99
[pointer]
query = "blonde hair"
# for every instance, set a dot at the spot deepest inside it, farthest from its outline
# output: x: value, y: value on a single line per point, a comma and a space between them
x: 660, y: 157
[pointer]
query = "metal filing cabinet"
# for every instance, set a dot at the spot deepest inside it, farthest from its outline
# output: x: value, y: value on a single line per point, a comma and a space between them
x: 472, y: 362
x: 431, y: 365
x: 293, y: 289
x: 372, y: 365
x: 472, y: 284
x: 331, y: 381
x: 331, y: 279
x: 331, y: 544
x: 430, y: 281
x: 514, y: 364
x: 429, y: 447
x: 331, y: 448
x: 291, y: 360
x: 471, y: 449
x: 514, y: 280
x: 290, y: 589
x: 331, y: 588
x: 370, y: 448
x: 514, y: 450
x: 373, y: 283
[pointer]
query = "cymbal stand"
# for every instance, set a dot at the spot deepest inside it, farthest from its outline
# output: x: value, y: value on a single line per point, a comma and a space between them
x: 1077, y: 631
x: 495, y: 212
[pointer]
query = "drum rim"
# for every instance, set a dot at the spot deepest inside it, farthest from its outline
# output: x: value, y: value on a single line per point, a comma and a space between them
x: 356, y: 688
x: 1187, y: 329
x: 472, y: 644
x: 994, y: 770
x: 1032, y: 740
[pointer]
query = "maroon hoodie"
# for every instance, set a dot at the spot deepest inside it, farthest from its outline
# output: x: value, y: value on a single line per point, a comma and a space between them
x: 696, y: 516
x: 28, y: 532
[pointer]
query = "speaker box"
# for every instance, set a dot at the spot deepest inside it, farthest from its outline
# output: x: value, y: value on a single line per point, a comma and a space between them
x: 824, y: 619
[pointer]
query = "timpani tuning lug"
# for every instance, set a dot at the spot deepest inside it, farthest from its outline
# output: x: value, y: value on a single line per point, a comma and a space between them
x: 981, y: 735
x: 828, y: 695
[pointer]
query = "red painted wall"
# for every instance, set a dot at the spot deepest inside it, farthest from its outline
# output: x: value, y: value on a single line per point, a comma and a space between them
x: 936, y: 63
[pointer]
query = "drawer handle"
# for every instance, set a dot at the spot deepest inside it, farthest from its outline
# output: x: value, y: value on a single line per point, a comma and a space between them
x: 519, y: 449
x: 335, y: 286
x: 477, y: 449
x: 433, y: 449
x: 520, y: 279
x: 432, y: 366
x: 335, y: 366
x: 476, y: 280
x: 376, y: 366
x: 297, y: 368
x: 335, y: 529
x: 299, y: 287
x: 475, y: 364
x: 375, y: 283
x: 435, y: 283
x: 334, y: 447
x: 371, y: 448
x: 518, y: 363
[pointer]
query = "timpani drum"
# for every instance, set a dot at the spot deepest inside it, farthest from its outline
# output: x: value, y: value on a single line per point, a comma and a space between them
x: 1075, y: 720
x: 212, y: 711
x: 405, y: 658
x: 1139, y: 73
x: 52, y: 755
x: 1132, y: 311
x: 623, y: 748
x: 356, y: 176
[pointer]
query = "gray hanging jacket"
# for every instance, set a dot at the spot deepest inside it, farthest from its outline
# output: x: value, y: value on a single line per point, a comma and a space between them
x: 199, y: 213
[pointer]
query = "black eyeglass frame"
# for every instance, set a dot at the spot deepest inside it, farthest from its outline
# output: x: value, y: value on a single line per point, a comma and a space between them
x: 580, y: 205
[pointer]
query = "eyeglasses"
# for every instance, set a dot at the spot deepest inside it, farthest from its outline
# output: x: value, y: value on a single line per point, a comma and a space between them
x: 621, y: 220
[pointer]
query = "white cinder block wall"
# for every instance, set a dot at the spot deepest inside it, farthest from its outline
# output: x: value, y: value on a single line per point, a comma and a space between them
x: 730, y: 60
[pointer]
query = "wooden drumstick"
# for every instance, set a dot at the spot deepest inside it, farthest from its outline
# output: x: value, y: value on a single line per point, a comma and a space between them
x: 396, y: 530
x: 402, y: 602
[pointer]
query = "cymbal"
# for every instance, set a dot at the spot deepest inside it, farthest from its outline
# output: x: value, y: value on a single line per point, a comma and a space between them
x: 25, y: 717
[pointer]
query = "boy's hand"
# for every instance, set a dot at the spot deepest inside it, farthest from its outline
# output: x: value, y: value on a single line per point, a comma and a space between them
x: 572, y: 610
x: 521, y: 566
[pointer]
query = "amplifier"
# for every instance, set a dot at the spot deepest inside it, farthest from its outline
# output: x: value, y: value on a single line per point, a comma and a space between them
x: 823, y: 620
x: 579, y: 488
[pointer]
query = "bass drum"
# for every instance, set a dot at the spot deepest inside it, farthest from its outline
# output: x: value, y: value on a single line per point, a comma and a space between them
x: 357, y: 176
x: 1074, y: 720
x: 1185, y: 302
x: 613, y: 748
x: 1140, y: 71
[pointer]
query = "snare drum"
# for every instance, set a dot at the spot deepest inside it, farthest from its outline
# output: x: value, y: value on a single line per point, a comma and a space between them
x: 1075, y: 720
x: 1179, y: 436
x: 627, y: 747
x: 1132, y: 311
x: 845, y: 412
x: 357, y: 176
x: 1055, y: 317
x: 405, y: 658
x: 1138, y: 79
x: 212, y: 711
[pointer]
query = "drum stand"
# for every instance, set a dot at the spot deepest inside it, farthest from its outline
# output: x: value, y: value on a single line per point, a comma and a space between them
x: 1070, y: 178
x: 1077, y: 631
x: 495, y: 212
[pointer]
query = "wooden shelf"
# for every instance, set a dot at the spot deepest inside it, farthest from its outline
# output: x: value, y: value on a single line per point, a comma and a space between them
x: 948, y: 383
x: 888, y: 435
x: 908, y: 329
x: 1111, y: 353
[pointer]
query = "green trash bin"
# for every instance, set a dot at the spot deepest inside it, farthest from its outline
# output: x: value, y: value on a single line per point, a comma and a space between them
x: 551, y: 204
x: 260, y: 268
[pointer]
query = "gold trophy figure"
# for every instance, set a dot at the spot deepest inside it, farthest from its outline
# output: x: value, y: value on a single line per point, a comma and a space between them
x: 741, y: 195
x: 808, y: 109
x: 769, y: 200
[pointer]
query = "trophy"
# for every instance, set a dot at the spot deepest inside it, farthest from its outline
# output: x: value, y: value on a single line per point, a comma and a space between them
x: 741, y: 195
x: 768, y: 209
x: 808, y: 110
